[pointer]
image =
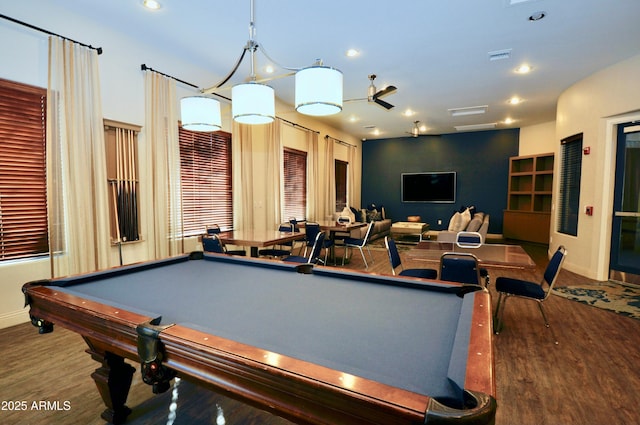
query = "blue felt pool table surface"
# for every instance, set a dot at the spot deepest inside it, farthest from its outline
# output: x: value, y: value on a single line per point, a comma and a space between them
x: 401, y: 336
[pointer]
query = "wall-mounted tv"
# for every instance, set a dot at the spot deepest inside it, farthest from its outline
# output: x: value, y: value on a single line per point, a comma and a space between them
x: 437, y: 186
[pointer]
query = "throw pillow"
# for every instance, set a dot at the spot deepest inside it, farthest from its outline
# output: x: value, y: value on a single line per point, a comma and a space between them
x: 465, y: 218
x: 454, y: 223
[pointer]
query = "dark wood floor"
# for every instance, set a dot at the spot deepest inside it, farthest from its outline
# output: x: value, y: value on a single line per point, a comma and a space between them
x: 591, y: 377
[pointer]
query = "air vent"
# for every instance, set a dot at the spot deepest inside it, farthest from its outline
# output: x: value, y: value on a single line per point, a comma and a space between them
x: 500, y: 55
x: 469, y: 110
x: 471, y: 127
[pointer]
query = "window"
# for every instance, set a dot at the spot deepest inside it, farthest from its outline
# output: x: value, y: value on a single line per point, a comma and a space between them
x: 341, y: 184
x: 570, y: 170
x: 205, y: 174
x: 23, y: 185
x: 295, y: 184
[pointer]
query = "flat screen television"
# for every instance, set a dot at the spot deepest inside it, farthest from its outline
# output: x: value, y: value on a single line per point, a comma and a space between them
x: 439, y: 186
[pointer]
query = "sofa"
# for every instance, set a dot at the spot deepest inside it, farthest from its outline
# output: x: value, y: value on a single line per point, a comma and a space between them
x: 377, y: 214
x: 467, y: 220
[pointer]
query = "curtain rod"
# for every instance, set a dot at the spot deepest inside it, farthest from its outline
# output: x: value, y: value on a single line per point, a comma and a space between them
x: 340, y: 142
x: 33, y: 27
x: 146, y: 68
x: 298, y: 125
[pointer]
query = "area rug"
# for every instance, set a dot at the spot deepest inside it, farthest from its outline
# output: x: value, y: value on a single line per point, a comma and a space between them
x: 612, y: 296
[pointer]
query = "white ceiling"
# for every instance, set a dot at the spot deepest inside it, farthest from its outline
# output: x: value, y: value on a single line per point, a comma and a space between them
x: 435, y: 52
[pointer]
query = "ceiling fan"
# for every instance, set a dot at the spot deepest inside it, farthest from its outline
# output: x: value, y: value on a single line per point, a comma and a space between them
x: 416, y: 130
x: 374, y: 95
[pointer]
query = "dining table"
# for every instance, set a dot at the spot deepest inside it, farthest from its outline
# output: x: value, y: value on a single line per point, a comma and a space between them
x: 490, y: 255
x: 256, y: 239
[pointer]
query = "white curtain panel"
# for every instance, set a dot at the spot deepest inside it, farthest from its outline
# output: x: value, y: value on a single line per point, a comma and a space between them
x: 77, y: 188
x: 164, y: 234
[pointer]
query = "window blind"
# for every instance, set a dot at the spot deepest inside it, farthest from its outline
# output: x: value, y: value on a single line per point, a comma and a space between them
x: 295, y: 184
x: 23, y: 190
x: 569, y: 196
x: 341, y: 184
x: 205, y: 174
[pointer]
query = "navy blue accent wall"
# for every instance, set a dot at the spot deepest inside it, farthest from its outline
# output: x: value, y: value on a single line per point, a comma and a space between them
x: 481, y: 160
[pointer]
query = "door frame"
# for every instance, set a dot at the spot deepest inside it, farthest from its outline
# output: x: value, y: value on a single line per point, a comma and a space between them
x: 613, y: 127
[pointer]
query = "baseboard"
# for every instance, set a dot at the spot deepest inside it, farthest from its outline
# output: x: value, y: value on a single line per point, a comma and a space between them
x: 14, y: 318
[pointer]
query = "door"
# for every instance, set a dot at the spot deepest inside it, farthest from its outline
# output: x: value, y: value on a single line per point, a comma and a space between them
x: 625, y: 235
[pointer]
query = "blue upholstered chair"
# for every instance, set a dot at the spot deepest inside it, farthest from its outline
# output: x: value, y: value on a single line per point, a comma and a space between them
x: 394, y: 259
x: 282, y: 250
x: 461, y: 267
x: 212, y: 243
x: 314, y: 255
x: 539, y: 292
x: 360, y: 244
x: 468, y: 239
x: 214, y: 229
x: 472, y: 240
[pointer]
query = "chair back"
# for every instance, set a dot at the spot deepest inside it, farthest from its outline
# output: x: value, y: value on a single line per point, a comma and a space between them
x: 212, y: 243
x: 553, y: 268
x: 294, y: 223
x: 366, y: 236
x: 460, y: 267
x: 213, y: 229
x: 317, y: 248
x: 311, y: 230
x: 394, y: 255
x: 344, y: 219
x: 469, y: 239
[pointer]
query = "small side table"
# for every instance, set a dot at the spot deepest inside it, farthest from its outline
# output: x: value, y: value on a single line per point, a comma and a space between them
x: 404, y: 229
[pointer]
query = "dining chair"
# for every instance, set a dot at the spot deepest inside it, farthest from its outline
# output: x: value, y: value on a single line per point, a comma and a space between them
x: 535, y: 291
x: 360, y: 244
x: 282, y: 250
x: 214, y: 229
x: 461, y: 267
x: 469, y: 239
x: 314, y: 255
x: 213, y: 243
x: 472, y: 240
x: 394, y: 259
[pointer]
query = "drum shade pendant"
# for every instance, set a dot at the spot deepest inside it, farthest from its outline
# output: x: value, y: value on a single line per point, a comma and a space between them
x: 253, y: 103
x: 200, y: 113
x: 318, y: 90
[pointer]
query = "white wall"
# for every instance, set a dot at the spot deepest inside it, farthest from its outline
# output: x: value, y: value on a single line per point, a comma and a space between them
x: 537, y: 139
x: 592, y: 107
x: 24, y: 54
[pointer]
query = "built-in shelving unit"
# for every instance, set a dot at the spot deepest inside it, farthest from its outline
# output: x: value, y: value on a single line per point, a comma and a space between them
x: 528, y: 212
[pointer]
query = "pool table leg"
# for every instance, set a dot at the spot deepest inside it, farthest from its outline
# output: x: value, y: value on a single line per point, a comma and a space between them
x: 113, y: 380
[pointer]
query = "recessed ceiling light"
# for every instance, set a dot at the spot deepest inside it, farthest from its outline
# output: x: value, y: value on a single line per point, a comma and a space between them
x: 409, y: 113
x: 353, y: 118
x: 536, y: 16
x: 523, y: 69
x: 152, y: 4
x: 514, y: 100
x: 509, y: 121
x: 352, y: 53
x: 269, y: 69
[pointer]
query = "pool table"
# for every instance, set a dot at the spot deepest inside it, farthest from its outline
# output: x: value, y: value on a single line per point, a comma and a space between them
x: 312, y: 344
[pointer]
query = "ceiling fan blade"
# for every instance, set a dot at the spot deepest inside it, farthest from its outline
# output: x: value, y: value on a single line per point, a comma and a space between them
x: 385, y: 91
x: 383, y: 103
x: 354, y: 100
